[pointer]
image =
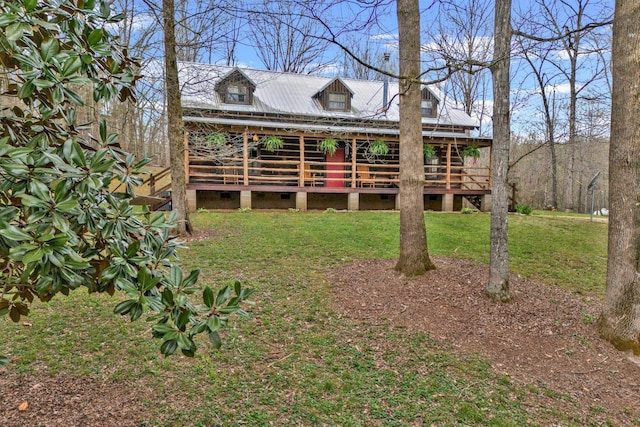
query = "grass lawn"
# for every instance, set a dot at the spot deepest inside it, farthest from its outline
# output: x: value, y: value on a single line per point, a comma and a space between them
x: 295, y: 361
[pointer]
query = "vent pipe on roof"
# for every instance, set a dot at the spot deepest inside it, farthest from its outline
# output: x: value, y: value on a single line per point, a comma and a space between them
x: 385, y: 88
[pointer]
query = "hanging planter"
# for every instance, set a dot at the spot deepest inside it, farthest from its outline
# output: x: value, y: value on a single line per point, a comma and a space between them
x: 328, y: 146
x: 273, y: 143
x: 471, y: 150
x: 216, y: 139
x: 428, y: 151
x: 378, y: 148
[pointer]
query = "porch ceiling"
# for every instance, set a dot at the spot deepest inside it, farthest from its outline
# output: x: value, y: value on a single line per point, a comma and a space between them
x: 312, y: 128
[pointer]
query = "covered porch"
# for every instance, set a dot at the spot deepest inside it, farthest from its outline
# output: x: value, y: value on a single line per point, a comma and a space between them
x: 229, y: 168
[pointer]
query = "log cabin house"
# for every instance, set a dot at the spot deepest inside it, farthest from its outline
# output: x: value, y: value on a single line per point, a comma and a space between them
x: 271, y: 140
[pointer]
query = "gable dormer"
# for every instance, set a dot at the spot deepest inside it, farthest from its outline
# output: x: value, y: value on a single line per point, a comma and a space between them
x: 429, y: 103
x: 335, y: 96
x: 236, y: 88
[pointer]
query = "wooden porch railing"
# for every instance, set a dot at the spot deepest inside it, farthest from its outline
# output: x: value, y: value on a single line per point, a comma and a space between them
x: 155, y: 190
x: 324, y: 174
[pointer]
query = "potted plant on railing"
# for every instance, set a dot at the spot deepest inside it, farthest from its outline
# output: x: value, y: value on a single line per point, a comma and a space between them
x: 378, y: 148
x: 273, y: 143
x: 471, y: 150
x: 328, y: 146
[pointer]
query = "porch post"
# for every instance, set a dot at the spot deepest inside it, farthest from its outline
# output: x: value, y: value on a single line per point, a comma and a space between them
x: 186, y: 156
x: 192, y: 202
x: 245, y: 199
x: 301, y: 201
x: 353, y: 164
x: 490, y: 165
x: 447, y: 202
x: 301, y: 167
x: 245, y: 158
x: 448, y: 176
x: 353, y: 201
x: 485, y: 203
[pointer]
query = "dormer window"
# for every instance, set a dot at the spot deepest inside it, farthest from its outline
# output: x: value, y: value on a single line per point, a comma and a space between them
x: 427, y: 109
x: 337, y: 101
x: 236, y: 88
x: 335, y: 96
x: 236, y: 95
x: 429, y: 103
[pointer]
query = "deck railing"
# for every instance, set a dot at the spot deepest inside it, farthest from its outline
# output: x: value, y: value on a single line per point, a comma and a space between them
x: 330, y: 174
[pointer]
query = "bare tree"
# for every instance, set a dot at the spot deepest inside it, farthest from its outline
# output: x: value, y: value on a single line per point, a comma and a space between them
x: 536, y: 57
x: 463, y: 39
x: 287, y: 40
x: 369, y: 50
x: 414, y: 255
x: 620, y: 319
x: 573, y: 25
x: 498, y: 285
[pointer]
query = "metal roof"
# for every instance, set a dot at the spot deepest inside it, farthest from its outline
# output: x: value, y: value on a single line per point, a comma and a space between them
x: 293, y: 94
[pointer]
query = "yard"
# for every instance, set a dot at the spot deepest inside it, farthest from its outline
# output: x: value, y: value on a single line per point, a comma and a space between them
x: 336, y: 338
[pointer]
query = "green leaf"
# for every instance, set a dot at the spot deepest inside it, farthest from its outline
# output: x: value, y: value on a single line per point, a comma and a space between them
x: 184, y: 342
x: 162, y: 328
x: 38, y: 189
x: 191, y: 279
x: 71, y: 66
x: 169, y: 347
x: 223, y: 295
x: 11, y: 232
x: 4, y: 360
x: 124, y: 307
x: 32, y: 256
x: 14, y: 31
x: 146, y: 279
x: 26, y: 90
x: 30, y: 4
x: 176, y: 276
x: 214, y: 323
x: 207, y: 296
x: 214, y: 337
x: 136, y: 311
x: 49, y: 48
x: 94, y: 37
x: 167, y: 297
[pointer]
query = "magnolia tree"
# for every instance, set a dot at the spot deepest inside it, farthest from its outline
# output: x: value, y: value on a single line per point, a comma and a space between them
x: 66, y: 220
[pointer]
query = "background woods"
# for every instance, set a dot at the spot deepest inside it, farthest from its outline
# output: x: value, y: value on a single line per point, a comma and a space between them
x: 560, y: 83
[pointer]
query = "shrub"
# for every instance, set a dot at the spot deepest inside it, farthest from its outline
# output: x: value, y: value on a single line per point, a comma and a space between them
x: 524, y: 209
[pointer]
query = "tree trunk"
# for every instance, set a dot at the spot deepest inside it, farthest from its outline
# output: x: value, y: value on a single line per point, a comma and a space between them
x: 414, y: 255
x: 175, y: 123
x: 498, y: 285
x: 620, y: 319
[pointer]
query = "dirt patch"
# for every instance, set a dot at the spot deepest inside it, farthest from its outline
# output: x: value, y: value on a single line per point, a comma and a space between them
x: 64, y: 400
x: 545, y: 339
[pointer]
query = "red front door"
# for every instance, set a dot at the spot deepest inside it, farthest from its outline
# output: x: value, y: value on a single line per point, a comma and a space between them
x: 335, y: 168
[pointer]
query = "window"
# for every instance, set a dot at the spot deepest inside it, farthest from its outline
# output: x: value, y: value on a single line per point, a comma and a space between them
x: 236, y: 95
x: 338, y: 101
x: 427, y: 109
